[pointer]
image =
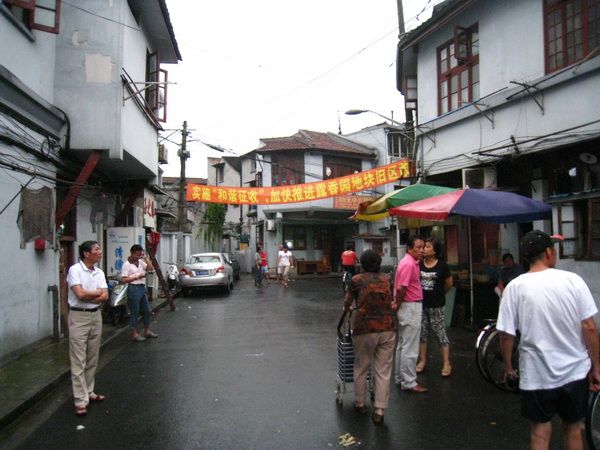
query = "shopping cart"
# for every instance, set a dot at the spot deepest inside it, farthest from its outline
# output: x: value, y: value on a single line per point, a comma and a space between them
x: 345, y: 359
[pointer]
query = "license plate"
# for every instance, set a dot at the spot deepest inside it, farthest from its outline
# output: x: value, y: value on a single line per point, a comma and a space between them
x: 201, y: 272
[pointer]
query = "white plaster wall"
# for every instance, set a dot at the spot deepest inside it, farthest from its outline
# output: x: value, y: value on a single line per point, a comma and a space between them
x: 567, y: 105
x: 88, y: 65
x: 26, y: 59
x: 511, y: 48
x: 588, y: 270
x: 139, y: 135
x: 25, y: 302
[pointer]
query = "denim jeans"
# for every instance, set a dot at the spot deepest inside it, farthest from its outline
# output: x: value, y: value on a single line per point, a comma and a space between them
x: 137, y: 301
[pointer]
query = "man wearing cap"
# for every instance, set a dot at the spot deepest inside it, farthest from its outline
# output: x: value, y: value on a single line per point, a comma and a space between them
x: 553, y: 310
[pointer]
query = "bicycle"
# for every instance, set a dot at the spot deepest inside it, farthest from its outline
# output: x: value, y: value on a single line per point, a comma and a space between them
x: 346, y: 281
x: 488, y: 358
x: 592, y: 422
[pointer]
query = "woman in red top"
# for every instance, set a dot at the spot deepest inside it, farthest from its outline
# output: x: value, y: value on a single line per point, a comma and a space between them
x: 373, y: 335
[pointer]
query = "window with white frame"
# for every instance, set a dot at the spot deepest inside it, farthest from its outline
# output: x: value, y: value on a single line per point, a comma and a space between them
x: 579, y: 223
x: 43, y: 15
x: 458, y: 69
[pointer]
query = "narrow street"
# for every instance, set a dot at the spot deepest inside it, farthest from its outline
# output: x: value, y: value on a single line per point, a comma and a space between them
x: 257, y: 370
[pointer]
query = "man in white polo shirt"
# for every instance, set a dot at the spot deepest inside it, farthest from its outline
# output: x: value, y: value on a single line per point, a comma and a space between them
x: 87, y: 290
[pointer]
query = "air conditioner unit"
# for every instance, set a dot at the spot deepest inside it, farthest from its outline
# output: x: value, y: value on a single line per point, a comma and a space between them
x: 480, y: 178
x: 271, y: 225
x: 162, y: 154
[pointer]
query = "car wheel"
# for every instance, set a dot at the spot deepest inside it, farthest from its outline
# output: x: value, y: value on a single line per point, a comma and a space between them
x: 228, y: 287
x: 185, y: 291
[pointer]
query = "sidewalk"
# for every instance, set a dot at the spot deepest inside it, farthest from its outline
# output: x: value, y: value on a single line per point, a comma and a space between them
x: 24, y: 381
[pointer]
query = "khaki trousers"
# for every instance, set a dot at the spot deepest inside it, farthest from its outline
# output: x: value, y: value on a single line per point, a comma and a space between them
x: 375, y: 350
x: 85, y: 331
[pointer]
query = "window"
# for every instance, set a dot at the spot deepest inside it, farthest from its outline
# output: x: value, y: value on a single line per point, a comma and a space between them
x: 43, y: 15
x: 571, y: 31
x: 296, y: 235
x: 335, y: 167
x: 253, y: 164
x: 398, y: 145
x: 156, y: 89
x: 287, y: 169
x: 220, y: 170
x: 579, y: 223
x: 458, y: 69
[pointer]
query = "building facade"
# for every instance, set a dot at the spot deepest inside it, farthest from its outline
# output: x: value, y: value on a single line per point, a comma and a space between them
x: 497, y: 110
x: 82, y: 96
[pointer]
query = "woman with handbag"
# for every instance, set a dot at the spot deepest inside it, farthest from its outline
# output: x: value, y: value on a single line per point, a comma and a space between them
x: 373, y: 333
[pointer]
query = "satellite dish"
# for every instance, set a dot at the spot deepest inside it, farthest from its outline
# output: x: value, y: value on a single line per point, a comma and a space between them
x: 588, y: 158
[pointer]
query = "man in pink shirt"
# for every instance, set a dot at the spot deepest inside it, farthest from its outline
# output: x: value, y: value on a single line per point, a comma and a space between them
x: 408, y: 298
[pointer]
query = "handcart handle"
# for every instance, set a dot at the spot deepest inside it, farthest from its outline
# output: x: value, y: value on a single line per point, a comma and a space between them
x: 341, y: 322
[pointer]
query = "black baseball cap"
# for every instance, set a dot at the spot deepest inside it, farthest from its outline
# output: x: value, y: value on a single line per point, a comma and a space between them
x: 536, y: 241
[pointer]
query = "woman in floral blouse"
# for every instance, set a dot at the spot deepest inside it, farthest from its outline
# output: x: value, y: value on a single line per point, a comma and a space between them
x: 373, y: 333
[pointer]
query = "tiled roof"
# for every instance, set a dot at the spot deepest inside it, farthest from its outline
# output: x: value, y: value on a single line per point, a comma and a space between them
x: 313, y: 140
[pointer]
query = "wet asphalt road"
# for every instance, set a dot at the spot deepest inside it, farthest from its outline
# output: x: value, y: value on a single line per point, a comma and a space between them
x: 256, y: 370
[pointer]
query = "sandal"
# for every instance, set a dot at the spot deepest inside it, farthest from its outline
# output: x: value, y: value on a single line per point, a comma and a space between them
x: 446, y: 371
x: 97, y: 398
x: 377, y: 418
x: 421, y: 367
x: 361, y: 409
x: 81, y: 411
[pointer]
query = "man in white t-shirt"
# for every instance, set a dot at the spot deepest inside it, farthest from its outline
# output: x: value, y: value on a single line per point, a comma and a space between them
x: 285, y: 260
x: 558, y: 348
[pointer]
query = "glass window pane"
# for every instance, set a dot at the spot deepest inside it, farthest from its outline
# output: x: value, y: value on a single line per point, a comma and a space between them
x: 444, y: 106
x: 453, y: 84
x: 568, y: 229
x: 444, y: 89
x: 464, y: 79
x: 44, y: 17
x: 475, y: 74
x: 475, y: 89
x: 454, y: 101
x: 464, y: 96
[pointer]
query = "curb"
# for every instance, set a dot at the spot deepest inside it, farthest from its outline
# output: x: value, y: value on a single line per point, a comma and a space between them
x: 12, y: 415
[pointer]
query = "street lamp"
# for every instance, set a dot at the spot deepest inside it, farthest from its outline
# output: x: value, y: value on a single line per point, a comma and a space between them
x: 356, y: 112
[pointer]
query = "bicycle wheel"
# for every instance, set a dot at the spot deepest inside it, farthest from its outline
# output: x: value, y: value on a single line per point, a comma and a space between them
x: 346, y: 280
x: 481, y: 338
x: 493, y: 363
x: 592, y: 422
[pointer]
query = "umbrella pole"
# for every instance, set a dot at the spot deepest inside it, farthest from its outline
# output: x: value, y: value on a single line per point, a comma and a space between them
x: 471, y: 271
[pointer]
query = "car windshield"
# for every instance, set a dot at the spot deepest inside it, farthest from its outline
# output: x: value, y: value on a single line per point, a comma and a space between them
x: 205, y: 259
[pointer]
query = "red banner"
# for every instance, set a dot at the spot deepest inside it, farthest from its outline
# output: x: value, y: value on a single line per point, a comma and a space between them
x: 300, y: 192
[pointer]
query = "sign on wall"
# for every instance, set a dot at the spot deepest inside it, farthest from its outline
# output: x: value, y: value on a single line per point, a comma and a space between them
x: 357, y: 182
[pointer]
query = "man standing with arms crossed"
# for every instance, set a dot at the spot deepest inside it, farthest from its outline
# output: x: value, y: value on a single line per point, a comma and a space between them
x: 553, y: 310
x: 87, y: 290
x: 408, y: 302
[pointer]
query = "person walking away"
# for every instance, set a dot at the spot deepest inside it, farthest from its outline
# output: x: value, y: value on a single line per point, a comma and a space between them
x: 278, y: 268
x: 87, y: 291
x: 408, y: 298
x: 264, y: 265
x: 373, y: 333
x: 436, y: 280
x: 258, y: 267
x: 558, y: 348
x: 285, y: 261
x: 134, y: 272
x: 349, y: 260
x: 509, y: 271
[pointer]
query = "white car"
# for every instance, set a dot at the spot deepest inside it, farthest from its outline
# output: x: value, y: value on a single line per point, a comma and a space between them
x: 206, y: 270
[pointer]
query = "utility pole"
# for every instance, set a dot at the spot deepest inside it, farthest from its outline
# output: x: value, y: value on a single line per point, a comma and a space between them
x: 183, y: 156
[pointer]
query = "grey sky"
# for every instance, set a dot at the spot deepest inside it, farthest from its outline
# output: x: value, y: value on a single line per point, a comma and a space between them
x: 267, y: 68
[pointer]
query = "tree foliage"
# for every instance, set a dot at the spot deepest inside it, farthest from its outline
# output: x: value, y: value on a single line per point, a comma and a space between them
x: 214, y: 217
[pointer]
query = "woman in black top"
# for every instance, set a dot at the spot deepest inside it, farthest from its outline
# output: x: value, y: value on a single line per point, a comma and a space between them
x: 436, y: 280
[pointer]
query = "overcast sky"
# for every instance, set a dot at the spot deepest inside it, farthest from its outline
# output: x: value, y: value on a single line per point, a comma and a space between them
x: 268, y: 68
